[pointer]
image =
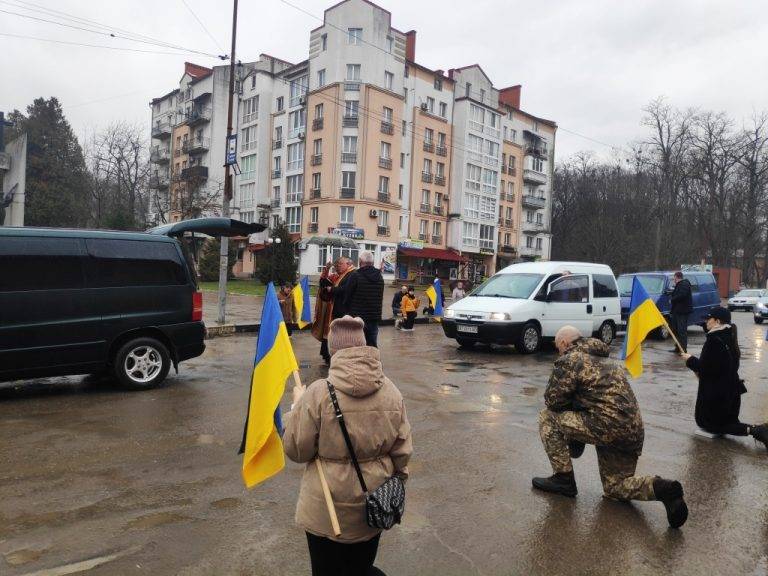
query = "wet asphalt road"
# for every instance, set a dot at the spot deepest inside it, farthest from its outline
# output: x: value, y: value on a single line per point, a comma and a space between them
x: 100, y: 481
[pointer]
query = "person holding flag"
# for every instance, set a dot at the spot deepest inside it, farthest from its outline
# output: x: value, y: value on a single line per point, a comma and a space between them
x: 301, y: 303
x: 644, y: 317
x: 436, y: 299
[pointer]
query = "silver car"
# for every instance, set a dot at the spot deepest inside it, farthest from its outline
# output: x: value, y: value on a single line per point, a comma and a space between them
x: 745, y: 300
x: 760, y: 310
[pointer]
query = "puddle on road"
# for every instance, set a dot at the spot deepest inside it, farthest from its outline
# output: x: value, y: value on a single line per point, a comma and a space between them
x: 226, y: 503
x: 459, y: 366
x: 529, y: 391
x: 155, y: 520
x: 448, y: 388
x: 20, y: 557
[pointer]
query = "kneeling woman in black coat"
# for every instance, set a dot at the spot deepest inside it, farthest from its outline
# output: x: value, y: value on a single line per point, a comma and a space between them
x: 718, y: 401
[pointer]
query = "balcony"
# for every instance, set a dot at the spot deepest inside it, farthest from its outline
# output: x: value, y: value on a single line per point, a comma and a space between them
x: 276, y: 174
x: 162, y: 130
x: 195, y: 173
x: 437, y: 239
x: 507, y: 249
x: 275, y: 203
x: 346, y: 225
x: 277, y: 144
x: 441, y: 151
x: 349, y: 157
x: 352, y: 86
x: 197, y: 145
x: 314, y: 193
x: 438, y: 210
x: 429, y: 146
x: 159, y: 155
x: 439, y: 180
x: 534, y: 202
x: 316, y: 159
x: 425, y: 208
x: 385, y: 163
x: 508, y: 197
x: 382, y: 230
x: 312, y: 227
x: 387, y: 128
x: 531, y: 227
x: 177, y: 152
x: 426, y: 177
x: 347, y: 193
x: 349, y: 122
x: 317, y: 124
x: 534, y: 176
x: 383, y: 197
x: 424, y: 237
x: 530, y: 251
x: 198, y: 116
x: 159, y: 181
x: 509, y: 223
x: 511, y: 170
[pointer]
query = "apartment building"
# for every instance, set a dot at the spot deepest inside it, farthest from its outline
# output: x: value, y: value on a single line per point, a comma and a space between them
x: 436, y: 173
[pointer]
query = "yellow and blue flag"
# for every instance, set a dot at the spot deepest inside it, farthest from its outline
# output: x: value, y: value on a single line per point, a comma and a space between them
x: 435, y: 295
x: 262, y: 447
x: 644, y: 316
x: 301, y: 303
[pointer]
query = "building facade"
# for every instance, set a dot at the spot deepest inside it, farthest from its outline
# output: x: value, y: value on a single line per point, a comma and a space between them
x: 436, y: 173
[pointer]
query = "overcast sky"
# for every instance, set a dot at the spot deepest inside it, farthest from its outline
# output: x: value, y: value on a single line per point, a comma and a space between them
x: 590, y: 65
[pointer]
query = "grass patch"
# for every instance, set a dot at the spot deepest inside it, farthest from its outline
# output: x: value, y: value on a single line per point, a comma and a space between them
x: 247, y: 286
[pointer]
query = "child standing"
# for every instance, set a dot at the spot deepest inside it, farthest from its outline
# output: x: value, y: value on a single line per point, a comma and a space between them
x: 409, y: 306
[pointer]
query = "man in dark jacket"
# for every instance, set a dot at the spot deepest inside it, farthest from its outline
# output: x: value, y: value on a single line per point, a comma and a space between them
x: 682, y: 306
x: 366, y: 294
x: 589, y: 401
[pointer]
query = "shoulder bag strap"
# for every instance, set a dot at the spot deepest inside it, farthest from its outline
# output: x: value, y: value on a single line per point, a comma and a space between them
x: 345, y: 433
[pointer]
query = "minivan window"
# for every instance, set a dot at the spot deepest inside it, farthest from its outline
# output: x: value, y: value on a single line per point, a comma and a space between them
x: 509, y: 286
x: 692, y: 279
x: 652, y: 284
x: 570, y: 289
x: 133, y: 263
x: 40, y: 264
x: 604, y: 286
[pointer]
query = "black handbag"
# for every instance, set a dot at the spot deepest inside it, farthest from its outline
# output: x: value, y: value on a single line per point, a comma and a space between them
x: 385, y: 505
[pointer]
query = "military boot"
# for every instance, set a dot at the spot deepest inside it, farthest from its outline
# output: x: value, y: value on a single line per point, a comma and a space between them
x: 760, y: 433
x: 560, y: 483
x: 670, y: 493
x: 576, y: 448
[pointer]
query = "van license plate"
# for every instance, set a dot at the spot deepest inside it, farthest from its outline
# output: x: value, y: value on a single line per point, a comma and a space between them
x: 466, y: 328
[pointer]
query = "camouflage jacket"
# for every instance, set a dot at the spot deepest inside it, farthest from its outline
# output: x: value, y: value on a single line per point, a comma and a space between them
x: 584, y: 380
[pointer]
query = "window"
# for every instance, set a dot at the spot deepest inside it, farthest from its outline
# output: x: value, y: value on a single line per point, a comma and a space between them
x: 276, y: 164
x: 438, y: 199
x: 314, y: 214
x: 431, y: 104
x: 423, y: 228
x: 486, y: 236
x: 493, y: 120
x: 253, y: 81
x: 249, y: 136
x: 295, y: 188
x: 324, y: 42
x: 316, y: 181
x: 389, y: 44
x: 427, y: 166
x: 603, y: 285
x: 538, y: 243
x: 248, y: 167
x: 569, y: 289
x: 507, y: 239
x: 537, y: 164
x: 346, y: 214
x: 535, y: 126
x: 529, y: 241
x: 383, y: 185
x: 349, y: 144
x: 386, y: 150
x: 384, y: 218
x: 440, y: 170
x: 470, y: 234
x: 425, y: 197
x: 333, y: 253
x: 405, y: 127
x: 250, y: 109
x: 276, y: 193
x: 474, y: 174
x: 293, y: 219
x: 509, y: 213
x: 348, y: 180
x: 321, y: 77
x: 132, y: 263
x: 355, y: 36
x: 487, y: 208
x: 389, y: 80
x: 440, y: 140
x: 492, y: 150
x: 429, y: 135
x: 529, y: 216
x: 482, y: 95
x: 295, y: 156
x: 514, y: 135
x: 443, y: 110
x: 467, y: 89
x: 505, y: 133
x: 318, y: 112
x: 400, y: 225
x: 247, y: 195
x: 471, y: 206
x: 353, y: 72
x: 475, y: 144
x: 317, y: 147
x: 298, y: 89
x: 279, y: 103
x: 512, y: 161
x: 438, y: 83
x: 539, y: 218
x: 400, y: 192
x: 351, y: 108
x: 43, y: 263
x: 402, y: 159
x: 278, y: 133
x: 297, y: 123
x: 490, y: 178
x: 437, y: 228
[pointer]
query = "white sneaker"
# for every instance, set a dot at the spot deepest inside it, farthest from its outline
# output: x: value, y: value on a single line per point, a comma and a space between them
x: 705, y: 434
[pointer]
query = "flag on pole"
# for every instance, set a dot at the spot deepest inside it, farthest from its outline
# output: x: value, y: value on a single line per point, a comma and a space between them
x: 435, y: 295
x: 644, y: 316
x: 301, y: 303
x: 262, y: 447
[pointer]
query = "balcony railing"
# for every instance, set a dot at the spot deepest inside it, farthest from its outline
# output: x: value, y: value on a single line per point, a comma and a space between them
x: 349, y: 122
x: 275, y: 203
x: 509, y: 223
x: 441, y: 151
x: 507, y: 197
x: 312, y: 227
x: 195, y: 173
x: 429, y: 146
x: 198, y: 116
x: 314, y: 193
x: 423, y: 236
x: 383, y: 196
x: 385, y: 163
x: 346, y: 225
x: 437, y: 210
x: 317, y: 124
x: 534, y: 201
x: 534, y: 176
x: 349, y: 157
x: 424, y: 208
x: 426, y: 177
x: 177, y: 152
x: 439, y: 180
x: 316, y: 160
x: 158, y: 181
x: 347, y: 193
x: 387, y: 128
x: 197, y: 145
x: 437, y: 239
x: 382, y: 230
x: 277, y: 144
x: 276, y: 174
x: 160, y: 155
x: 507, y: 249
x: 511, y: 170
x: 161, y: 130
x: 352, y: 86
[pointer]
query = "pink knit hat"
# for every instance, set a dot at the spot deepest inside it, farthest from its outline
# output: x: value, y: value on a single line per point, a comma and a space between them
x: 346, y: 332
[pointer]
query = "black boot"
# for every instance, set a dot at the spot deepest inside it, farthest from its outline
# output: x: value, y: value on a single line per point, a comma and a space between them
x: 576, y: 448
x: 560, y: 483
x: 760, y: 433
x: 670, y: 493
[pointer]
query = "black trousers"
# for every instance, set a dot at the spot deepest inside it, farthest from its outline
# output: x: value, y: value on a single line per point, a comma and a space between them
x: 732, y: 427
x: 410, y: 318
x: 331, y: 558
x: 679, y: 325
x: 371, y: 331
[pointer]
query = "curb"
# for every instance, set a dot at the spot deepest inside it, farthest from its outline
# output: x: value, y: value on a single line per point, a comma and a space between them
x: 218, y: 331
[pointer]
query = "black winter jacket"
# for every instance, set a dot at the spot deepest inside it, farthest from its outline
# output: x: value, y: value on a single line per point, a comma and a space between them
x: 682, y: 298
x: 366, y: 292
x: 341, y: 296
x: 719, y: 396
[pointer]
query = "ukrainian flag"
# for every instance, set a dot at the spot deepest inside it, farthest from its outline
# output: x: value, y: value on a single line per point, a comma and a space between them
x: 262, y: 447
x: 644, y: 316
x: 301, y: 303
x: 435, y: 293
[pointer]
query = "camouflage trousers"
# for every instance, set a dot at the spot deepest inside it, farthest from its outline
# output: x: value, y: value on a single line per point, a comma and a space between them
x: 617, y: 468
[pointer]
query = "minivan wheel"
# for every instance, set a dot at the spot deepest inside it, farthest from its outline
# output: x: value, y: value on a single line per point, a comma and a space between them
x: 660, y: 333
x: 529, y: 340
x: 758, y: 320
x: 464, y: 343
x: 606, y: 333
x: 142, y: 363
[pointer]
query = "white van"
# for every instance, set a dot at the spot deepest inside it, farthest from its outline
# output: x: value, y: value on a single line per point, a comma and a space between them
x: 526, y: 303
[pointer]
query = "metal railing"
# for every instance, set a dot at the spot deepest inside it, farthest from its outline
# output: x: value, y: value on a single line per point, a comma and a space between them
x: 317, y: 124
x: 161, y: 130
x: 437, y: 239
x: 385, y: 163
x: 349, y: 157
x: 437, y: 210
x: 349, y: 121
x: 387, y: 128
x: 534, y: 201
x: 194, y: 172
x: 424, y: 208
x: 316, y: 160
x: 382, y: 230
x: 277, y: 144
x: 429, y: 146
x: 314, y: 194
x: 197, y: 145
x: 159, y: 181
x: 439, y: 180
x: 198, y: 115
x: 423, y: 236
x: 347, y: 192
x: 352, y: 86
x: 275, y: 203
x: 312, y: 227
x: 441, y: 151
x: 276, y: 174
x: 159, y: 155
x: 426, y: 177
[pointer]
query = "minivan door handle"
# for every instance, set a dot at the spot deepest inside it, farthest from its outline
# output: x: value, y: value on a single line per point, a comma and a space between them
x: 589, y: 308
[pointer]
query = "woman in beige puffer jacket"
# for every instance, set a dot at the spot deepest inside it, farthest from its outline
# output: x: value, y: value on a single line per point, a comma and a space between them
x: 375, y: 415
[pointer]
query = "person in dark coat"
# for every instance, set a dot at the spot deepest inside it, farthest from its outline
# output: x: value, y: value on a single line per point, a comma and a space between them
x: 718, y: 400
x: 366, y: 295
x: 397, y: 300
x: 682, y: 306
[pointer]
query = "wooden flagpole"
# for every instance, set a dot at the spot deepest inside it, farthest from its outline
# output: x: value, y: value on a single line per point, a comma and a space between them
x: 323, y: 482
x: 672, y: 333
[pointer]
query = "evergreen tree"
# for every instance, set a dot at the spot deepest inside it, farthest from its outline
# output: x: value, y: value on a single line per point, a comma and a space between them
x: 209, y: 260
x: 57, y: 190
x: 278, y: 262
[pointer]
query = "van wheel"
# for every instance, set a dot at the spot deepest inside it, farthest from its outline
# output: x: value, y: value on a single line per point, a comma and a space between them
x: 758, y: 320
x: 606, y: 333
x: 464, y: 343
x: 142, y: 363
x: 660, y: 333
x: 529, y: 340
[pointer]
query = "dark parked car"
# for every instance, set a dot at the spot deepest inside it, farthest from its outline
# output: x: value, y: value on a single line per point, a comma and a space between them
x: 88, y: 301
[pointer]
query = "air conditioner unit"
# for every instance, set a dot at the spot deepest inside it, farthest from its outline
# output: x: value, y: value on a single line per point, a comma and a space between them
x: 301, y: 135
x: 424, y: 106
x: 303, y: 100
x: 374, y: 213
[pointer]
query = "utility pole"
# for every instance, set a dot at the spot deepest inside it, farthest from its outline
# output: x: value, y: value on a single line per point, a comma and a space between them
x: 224, y: 254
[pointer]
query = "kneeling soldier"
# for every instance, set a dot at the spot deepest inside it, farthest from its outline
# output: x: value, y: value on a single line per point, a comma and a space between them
x: 589, y: 401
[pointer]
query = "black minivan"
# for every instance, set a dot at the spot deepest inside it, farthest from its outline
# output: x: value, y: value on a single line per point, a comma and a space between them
x: 89, y: 301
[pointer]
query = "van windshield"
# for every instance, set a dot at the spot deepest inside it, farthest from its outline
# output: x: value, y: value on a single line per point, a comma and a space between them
x: 652, y: 284
x: 508, y: 286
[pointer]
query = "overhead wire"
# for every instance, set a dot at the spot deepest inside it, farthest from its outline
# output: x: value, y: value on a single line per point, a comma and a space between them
x: 66, y: 42
x: 202, y: 25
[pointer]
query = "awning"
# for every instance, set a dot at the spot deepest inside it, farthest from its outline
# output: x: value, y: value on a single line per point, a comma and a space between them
x: 433, y: 254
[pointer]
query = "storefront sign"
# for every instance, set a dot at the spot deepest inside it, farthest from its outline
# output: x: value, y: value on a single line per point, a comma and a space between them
x: 354, y: 233
x: 413, y: 244
x: 486, y: 250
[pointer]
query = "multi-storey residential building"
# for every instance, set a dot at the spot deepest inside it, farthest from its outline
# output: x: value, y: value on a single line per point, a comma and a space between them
x: 435, y: 173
